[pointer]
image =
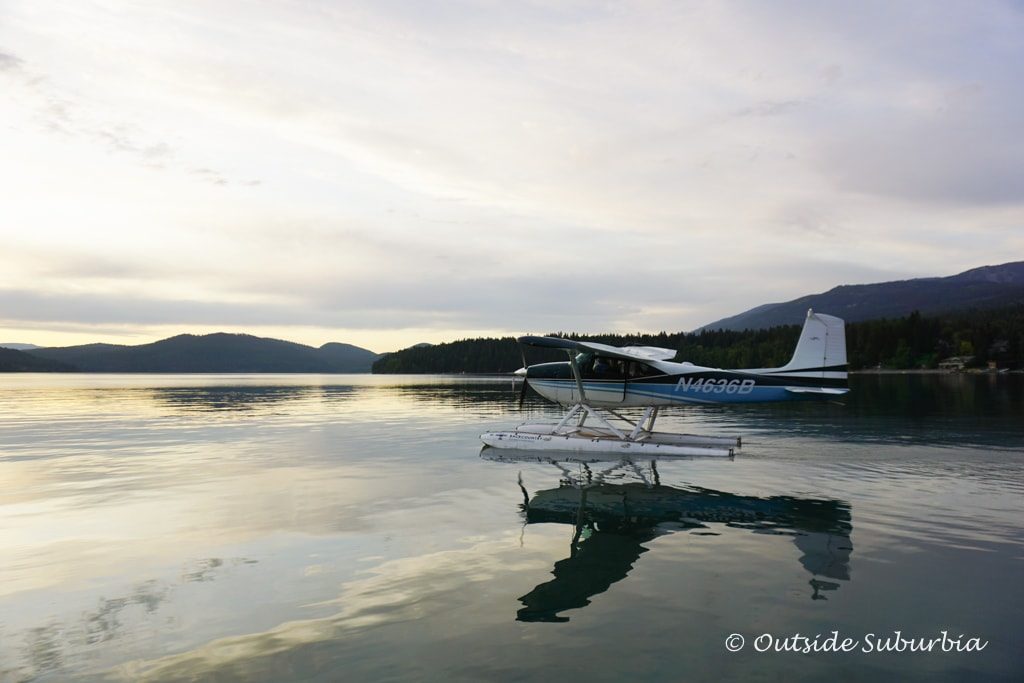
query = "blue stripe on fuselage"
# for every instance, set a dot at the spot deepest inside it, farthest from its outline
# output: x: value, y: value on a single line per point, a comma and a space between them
x: 675, y: 393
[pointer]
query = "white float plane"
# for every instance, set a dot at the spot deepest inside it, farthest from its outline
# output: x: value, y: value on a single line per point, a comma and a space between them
x: 599, y: 378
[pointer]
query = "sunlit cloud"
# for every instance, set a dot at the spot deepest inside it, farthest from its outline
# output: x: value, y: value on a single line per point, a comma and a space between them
x: 377, y: 170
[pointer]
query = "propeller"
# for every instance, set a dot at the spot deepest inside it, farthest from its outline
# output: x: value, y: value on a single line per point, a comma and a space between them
x: 522, y: 373
x: 522, y: 392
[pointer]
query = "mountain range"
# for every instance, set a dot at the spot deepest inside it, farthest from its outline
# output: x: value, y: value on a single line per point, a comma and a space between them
x: 979, y: 288
x: 984, y: 288
x: 220, y: 352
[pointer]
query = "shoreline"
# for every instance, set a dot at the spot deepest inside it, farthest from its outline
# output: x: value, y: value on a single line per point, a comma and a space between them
x: 935, y: 371
x: 873, y: 371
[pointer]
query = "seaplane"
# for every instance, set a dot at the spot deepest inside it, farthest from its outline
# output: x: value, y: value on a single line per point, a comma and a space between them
x: 598, y: 381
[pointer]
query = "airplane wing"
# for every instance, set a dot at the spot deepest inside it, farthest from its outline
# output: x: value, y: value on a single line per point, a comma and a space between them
x: 622, y: 352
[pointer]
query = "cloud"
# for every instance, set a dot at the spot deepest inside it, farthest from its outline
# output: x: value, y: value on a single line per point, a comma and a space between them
x: 466, y: 304
x: 601, y: 166
x: 66, y: 112
x: 770, y: 108
x: 212, y: 177
x: 660, y: 300
x: 937, y: 159
x: 9, y: 62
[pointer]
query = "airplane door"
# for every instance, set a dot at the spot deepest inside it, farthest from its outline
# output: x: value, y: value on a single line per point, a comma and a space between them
x: 635, y: 371
x: 605, y: 379
x: 615, y: 384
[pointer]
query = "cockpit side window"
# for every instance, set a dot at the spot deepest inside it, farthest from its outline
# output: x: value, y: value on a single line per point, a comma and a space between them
x: 638, y: 370
x: 595, y: 366
x: 585, y: 361
x: 603, y: 367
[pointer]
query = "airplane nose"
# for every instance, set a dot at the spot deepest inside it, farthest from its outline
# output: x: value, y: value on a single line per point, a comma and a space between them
x: 521, y: 372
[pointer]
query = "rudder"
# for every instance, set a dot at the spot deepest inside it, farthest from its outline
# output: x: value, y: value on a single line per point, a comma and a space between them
x: 821, y: 349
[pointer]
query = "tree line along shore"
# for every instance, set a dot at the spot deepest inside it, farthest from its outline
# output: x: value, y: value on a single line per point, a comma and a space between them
x: 965, y: 340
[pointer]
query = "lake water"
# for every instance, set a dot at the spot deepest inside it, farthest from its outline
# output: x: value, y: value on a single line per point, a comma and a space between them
x: 277, y: 528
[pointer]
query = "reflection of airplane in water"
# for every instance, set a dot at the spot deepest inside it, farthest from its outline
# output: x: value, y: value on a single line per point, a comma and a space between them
x: 613, y: 521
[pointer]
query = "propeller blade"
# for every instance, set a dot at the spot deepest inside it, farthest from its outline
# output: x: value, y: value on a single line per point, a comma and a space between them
x: 522, y: 372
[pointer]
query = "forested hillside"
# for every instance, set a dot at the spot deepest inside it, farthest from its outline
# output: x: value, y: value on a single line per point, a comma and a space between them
x: 987, y: 287
x: 913, y: 341
x: 13, y: 360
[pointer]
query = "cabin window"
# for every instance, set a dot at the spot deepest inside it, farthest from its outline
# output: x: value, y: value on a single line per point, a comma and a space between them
x: 603, y: 367
x: 585, y: 361
x: 638, y: 370
x: 593, y: 366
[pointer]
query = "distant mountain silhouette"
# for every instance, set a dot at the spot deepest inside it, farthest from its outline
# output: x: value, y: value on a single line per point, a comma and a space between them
x: 979, y: 288
x: 220, y: 352
x: 354, y: 358
x: 12, y: 360
x: 17, y: 347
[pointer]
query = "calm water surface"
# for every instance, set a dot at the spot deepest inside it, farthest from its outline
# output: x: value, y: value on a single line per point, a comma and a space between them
x: 276, y: 528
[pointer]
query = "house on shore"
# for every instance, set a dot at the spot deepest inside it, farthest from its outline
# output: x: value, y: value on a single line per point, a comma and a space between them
x: 955, y: 363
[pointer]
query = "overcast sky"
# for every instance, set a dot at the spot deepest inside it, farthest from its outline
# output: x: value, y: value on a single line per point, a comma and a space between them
x: 384, y: 173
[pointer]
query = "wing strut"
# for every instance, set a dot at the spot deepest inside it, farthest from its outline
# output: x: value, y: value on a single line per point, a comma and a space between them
x: 577, y: 376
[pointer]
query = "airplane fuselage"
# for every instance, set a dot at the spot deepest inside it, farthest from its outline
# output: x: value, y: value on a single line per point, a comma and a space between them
x: 665, y: 383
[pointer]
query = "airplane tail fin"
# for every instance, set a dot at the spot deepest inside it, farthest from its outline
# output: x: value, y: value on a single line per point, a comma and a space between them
x: 821, y: 350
